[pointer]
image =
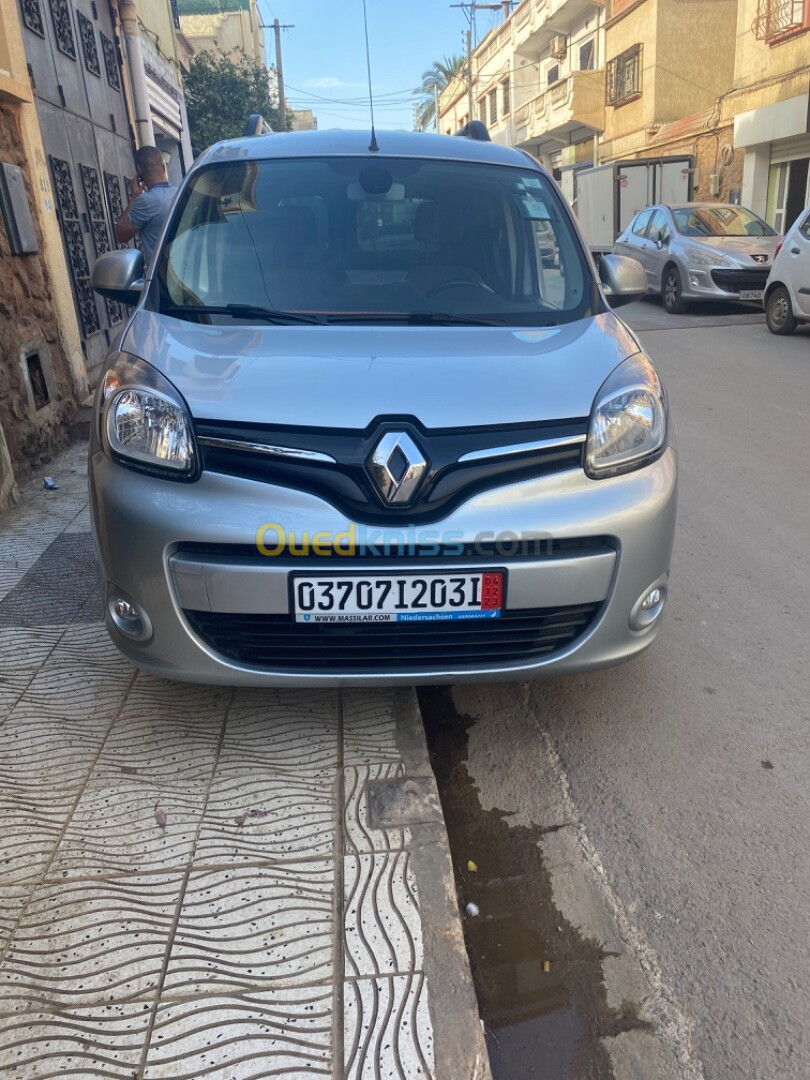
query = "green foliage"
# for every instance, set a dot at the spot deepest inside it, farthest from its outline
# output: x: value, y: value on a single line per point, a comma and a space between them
x: 221, y: 93
x: 434, y: 80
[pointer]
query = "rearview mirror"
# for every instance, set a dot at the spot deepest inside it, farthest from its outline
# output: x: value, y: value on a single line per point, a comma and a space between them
x: 623, y: 279
x: 118, y: 275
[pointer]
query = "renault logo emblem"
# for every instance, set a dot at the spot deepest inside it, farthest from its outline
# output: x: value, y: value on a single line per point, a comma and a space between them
x: 397, y: 467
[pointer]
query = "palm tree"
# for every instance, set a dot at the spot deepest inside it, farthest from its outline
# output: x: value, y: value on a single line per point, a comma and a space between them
x: 434, y: 80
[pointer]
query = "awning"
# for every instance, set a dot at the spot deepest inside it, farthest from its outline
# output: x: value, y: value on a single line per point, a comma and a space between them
x: 165, y: 110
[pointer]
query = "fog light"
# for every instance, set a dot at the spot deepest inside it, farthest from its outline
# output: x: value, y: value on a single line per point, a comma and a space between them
x: 128, y: 617
x: 694, y: 281
x: 125, y: 610
x: 652, y: 599
x: 649, y: 606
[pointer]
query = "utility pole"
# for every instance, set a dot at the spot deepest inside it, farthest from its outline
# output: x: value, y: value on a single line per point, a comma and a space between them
x: 282, y: 100
x: 436, y: 107
x: 469, y: 74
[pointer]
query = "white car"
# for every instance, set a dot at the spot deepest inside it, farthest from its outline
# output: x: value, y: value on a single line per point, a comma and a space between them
x: 787, y: 290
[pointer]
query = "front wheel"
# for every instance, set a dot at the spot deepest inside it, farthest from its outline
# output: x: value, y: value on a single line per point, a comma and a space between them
x: 779, y: 312
x: 671, y: 291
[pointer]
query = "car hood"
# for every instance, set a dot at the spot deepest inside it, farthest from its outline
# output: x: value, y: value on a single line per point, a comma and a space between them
x: 348, y: 376
x: 741, y: 247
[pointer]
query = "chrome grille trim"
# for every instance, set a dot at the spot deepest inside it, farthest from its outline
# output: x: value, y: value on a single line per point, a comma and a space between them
x: 266, y: 448
x: 522, y: 448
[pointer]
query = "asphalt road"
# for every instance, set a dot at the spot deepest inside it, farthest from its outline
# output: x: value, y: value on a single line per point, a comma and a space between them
x: 689, y: 766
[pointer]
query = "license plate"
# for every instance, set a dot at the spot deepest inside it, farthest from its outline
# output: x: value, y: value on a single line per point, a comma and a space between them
x: 751, y: 294
x: 409, y: 597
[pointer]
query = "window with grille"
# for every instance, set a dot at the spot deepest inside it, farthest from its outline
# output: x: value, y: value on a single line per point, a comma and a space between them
x: 482, y: 110
x: 506, y: 97
x: 623, y: 76
x: 553, y: 74
x: 778, y: 17
x: 493, y: 106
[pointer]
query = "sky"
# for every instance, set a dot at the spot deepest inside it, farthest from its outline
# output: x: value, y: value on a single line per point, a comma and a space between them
x: 324, y: 55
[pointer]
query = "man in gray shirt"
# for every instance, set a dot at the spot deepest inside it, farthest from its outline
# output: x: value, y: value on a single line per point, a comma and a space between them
x: 150, y: 199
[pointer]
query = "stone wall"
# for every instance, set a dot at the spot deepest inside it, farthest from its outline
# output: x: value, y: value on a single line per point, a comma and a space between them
x: 34, y: 428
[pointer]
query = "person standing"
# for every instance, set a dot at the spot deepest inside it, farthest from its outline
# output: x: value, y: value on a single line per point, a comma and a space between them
x: 150, y: 199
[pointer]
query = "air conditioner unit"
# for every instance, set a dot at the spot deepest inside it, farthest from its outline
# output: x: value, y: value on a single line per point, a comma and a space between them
x: 557, y: 47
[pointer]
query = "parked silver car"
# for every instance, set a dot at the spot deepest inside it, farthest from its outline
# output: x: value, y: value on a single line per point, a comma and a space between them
x: 700, y: 251
x: 356, y: 432
x: 787, y: 292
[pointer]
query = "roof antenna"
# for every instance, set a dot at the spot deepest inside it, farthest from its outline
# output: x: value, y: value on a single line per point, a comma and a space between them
x: 373, y: 144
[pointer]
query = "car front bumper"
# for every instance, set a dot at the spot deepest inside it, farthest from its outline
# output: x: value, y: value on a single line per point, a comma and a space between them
x: 173, y: 548
x: 698, y: 283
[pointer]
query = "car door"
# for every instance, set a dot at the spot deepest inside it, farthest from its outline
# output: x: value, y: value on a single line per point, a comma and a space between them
x: 656, y: 251
x: 798, y: 269
x: 633, y: 241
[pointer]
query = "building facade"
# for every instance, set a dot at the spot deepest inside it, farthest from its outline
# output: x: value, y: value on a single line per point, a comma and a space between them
x: 723, y: 82
x: 42, y: 372
x: 770, y: 105
x: 538, y: 82
x: 223, y: 26
x: 74, y: 56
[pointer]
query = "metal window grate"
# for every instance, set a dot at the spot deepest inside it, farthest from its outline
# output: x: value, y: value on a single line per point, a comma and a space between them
x: 98, y: 226
x: 74, y: 242
x: 32, y: 17
x: 88, y: 39
x: 776, y: 17
x: 623, y: 76
x: 506, y: 99
x: 493, y: 106
x: 110, y: 62
x: 63, y: 28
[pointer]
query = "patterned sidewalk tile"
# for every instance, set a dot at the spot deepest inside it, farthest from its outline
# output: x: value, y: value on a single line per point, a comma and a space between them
x: 383, y: 931
x: 369, y: 731
x: 125, y: 824
x: 254, y: 814
x: 285, y: 1033
x: 77, y: 1044
x: 250, y: 927
x: 387, y: 1028
x: 82, y: 943
x: 44, y: 757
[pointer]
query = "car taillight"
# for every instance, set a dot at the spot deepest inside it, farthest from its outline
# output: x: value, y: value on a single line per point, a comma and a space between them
x: 779, y: 247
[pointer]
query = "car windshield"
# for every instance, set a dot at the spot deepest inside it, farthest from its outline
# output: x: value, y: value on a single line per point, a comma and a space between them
x: 349, y: 239
x: 719, y: 221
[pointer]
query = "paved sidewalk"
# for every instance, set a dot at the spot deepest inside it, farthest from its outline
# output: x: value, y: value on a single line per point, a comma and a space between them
x: 199, y: 882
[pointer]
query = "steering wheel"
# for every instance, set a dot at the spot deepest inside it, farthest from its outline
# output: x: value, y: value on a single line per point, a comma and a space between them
x: 457, y: 283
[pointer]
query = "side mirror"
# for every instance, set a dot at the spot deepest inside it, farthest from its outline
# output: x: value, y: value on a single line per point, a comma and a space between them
x: 118, y: 275
x: 623, y: 279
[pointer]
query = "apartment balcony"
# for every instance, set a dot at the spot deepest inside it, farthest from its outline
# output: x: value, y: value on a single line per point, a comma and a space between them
x: 536, y: 22
x: 567, y: 112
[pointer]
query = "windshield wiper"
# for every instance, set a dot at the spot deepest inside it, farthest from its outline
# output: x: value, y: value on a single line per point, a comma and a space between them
x: 244, y: 311
x: 413, y: 318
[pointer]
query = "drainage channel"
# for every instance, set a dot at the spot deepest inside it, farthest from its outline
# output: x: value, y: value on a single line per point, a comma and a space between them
x: 539, y: 984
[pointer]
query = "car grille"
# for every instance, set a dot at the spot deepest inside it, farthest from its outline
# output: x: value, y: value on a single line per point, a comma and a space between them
x: 735, y: 280
x: 276, y: 643
x: 346, y: 483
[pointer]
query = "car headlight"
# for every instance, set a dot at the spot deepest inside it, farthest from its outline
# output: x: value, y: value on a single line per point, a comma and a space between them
x: 629, y: 420
x: 144, y: 421
x: 701, y: 257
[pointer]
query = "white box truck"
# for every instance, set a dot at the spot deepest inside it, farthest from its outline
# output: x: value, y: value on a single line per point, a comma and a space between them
x: 609, y: 196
